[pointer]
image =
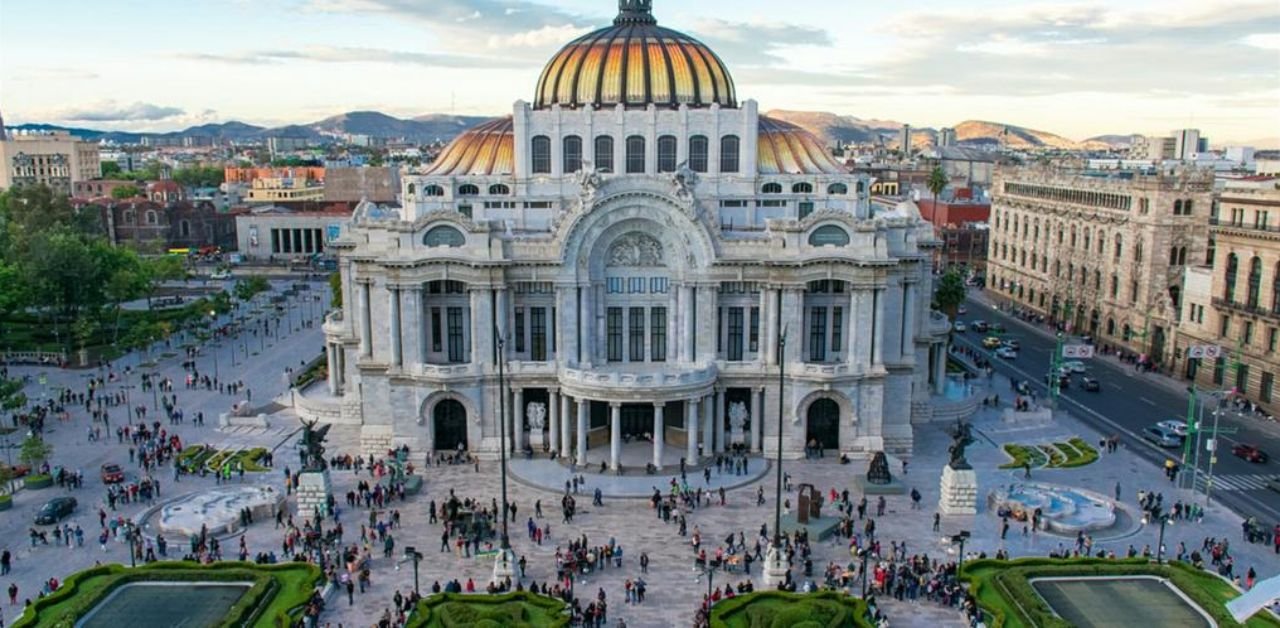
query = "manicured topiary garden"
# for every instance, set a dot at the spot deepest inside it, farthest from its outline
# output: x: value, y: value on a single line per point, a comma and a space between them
x: 767, y: 609
x: 509, y: 610
x: 1068, y: 454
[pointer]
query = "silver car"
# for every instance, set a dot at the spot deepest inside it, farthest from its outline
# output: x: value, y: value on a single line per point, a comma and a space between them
x: 1162, y: 437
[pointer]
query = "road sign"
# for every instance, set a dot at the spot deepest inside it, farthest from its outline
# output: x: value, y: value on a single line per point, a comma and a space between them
x: 1211, y: 352
x: 1210, y: 445
x: 1078, y: 352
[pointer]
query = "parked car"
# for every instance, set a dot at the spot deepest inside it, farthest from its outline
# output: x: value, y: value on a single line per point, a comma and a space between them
x: 962, y: 310
x: 1249, y: 453
x: 55, y: 510
x: 112, y: 473
x: 1090, y: 384
x: 1177, y: 426
x: 1074, y: 366
x: 1012, y: 343
x: 1162, y: 437
x: 1007, y: 353
x: 1064, y: 380
x: 979, y: 326
x: 991, y: 342
x: 960, y: 326
x: 221, y: 273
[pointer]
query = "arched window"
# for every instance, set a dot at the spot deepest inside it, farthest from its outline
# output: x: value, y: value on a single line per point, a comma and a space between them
x: 1173, y: 256
x: 802, y: 188
x: 729, y: 153
x: 433, y: 190
x: 499, y: 189
x: 468, y: 190
x: 829, y: 235
x: 1255, y: 281
x: 1275, y: 289
x: 1186, y: 207
x: 837, y: 188
x: 859, y: 187
x: 1119, y: 246
x: 1229, y: 279
x: 184, y: 229
x: 666, y: 153
x: 128, y: 216
x: 541, y: 148
x: 1209, y: 251
x: 635, y: 155
x: 572, y: 154
x: 1102, y: 243
x: 1182, y: 256
x: 1137, y: 251
x: 152, y: 218
x: 698, y: 147
x: 1088, y: 239
x: 444, y: 236
x: 771, y: 188
x: 413, y: 189
x: 1111, y: 326
x: 604, y: 153
x: 1177, y: 207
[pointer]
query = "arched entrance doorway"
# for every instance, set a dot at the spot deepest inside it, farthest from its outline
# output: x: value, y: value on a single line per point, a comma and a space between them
x: 823, y: 424
x: 450, y: 421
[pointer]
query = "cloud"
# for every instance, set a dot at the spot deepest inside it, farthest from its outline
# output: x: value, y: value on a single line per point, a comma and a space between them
x: 331, y: 54
x: 464, y: 20
x: 756, y: 42
x: 1265, y: 41
x: 111, y: 111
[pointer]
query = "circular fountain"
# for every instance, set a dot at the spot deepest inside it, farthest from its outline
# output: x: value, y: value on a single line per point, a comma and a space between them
x: 218, y: 508
x: 1063, y: 510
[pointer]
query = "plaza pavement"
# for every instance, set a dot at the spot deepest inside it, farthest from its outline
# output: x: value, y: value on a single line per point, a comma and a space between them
x: 674, y: 590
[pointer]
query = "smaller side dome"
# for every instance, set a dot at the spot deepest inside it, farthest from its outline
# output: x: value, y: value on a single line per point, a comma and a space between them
x: 784, y: 148
x: 485, y: 149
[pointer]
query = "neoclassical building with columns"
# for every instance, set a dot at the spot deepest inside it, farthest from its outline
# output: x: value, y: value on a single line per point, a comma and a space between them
x: 644, y: 255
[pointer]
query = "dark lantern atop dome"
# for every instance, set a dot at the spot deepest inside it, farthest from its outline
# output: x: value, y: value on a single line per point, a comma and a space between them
x: 635, y: 12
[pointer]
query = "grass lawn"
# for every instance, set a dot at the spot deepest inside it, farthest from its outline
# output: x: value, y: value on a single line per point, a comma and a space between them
x: 276, y: 591
x: 824, y: 609
x: 1004, y: 590
x: 1060, y: 455
x: 510, y: 610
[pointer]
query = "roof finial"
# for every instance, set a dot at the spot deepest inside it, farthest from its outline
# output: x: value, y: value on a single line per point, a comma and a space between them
x: 635, y: 12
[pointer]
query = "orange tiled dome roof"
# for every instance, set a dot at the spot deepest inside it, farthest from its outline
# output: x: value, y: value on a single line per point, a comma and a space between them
x: 784, y: 148
x: 485, y: 149
x: 635, y: 62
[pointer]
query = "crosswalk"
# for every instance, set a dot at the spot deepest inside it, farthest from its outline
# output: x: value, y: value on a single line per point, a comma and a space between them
x: 1237, y: 482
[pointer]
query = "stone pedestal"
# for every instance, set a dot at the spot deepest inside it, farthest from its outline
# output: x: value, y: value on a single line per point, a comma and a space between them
x: 775, y: 567
x: 537, y: 440
x: 737, y: 436
x: 313, y: 492
x: 959, y: 492
x: 504, y: 566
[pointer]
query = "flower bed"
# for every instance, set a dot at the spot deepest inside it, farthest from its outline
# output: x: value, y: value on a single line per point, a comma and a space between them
x: 823, y: 609
x: 510, y: 610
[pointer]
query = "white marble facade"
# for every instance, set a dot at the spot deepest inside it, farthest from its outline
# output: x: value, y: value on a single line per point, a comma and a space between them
x: 638, y: 303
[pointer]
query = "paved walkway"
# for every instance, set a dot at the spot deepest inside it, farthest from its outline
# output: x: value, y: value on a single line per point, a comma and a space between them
x: 548, y: 475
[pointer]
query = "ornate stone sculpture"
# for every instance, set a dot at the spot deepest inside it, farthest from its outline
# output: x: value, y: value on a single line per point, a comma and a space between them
x: 684, y: 181
x: 589, y: 180
x: 311, y: 446
x: 961, y: 437
x: 537, y: 415
x: 809, y: 504
x: 878, y: 470
x: 635, y: 249
x: 737, y: 415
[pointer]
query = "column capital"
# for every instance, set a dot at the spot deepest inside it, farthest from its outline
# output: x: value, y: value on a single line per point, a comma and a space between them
x: 660, y: 405
x: 553, y: 390
x: 615, y: 404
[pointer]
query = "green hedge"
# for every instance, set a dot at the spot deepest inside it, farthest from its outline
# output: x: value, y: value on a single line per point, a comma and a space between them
x: 6, y: 502
x: 1004, y: 591
x: 1085, y: 454
x: 38, y: 481
x: 520, y: 609
x: 780, y: 609
x: 1022, y: 454
x: 278, y: 590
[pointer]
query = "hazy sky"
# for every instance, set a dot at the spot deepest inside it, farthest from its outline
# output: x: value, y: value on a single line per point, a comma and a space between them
x: 1075, y: 68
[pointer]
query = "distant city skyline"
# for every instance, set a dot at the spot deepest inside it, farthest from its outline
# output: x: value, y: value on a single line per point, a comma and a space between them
x: 1078, y: 69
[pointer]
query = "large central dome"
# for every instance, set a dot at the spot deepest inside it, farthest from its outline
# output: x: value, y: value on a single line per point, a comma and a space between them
x: 636, y: 63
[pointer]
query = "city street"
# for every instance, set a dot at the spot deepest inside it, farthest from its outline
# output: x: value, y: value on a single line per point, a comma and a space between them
x: 1130, y: 401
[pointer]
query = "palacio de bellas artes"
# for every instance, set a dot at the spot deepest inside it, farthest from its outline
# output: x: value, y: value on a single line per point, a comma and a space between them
x: 644, y: 257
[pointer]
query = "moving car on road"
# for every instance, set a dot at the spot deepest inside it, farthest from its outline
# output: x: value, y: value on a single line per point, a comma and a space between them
x: 960, y: 326
x: 1012, y: 343
x: 55, y: 510
x: 1064, y: 380
x: 1090, y: 384
x: 1249, y: 453
x: 1074, y: 366
x: 1177, y: 426
x: 979, y: 326
x: 112, y: 473
x: 1162, y: 437
x: 1007, y: 353
x: 991, y: 342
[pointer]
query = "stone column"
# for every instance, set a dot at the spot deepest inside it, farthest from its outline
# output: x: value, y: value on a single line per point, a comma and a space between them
x: 481, y: 326
x: 416, y: 323
x: 567, y: 322
x: 584, y: 410
x: 757, y: 407
x: 673, y: 324
x: 864, y: 317
x: 502, y: 315
x: 691, y: 429
x: 718, y: 419
x: 517, y: 420
x: 855, y: 339
x: 940, y: 369
x: 791, y: 311
x: 877, y: 336
x: 687, y: 317
x: 708, y: 433
x: 705, y: 327
x: 366, y: 323
x: 553, y: 419
x: 566, y: 428
x: 585, y: 328
x: 331, y: 354
x: 768, y: 349
x: 908, y: 338
x: 615, y: 434
x: 659, y: 432
x: 397, y: 349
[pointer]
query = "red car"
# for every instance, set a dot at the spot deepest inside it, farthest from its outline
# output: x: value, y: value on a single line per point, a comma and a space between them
x: 112, y: 473
x: 1249, y: 452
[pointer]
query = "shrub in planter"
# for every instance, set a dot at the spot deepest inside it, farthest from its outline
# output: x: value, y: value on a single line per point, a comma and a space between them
x: 38, y: 481
x: 6, y: 502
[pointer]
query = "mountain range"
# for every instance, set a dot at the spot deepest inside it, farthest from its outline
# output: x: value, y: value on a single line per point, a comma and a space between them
x: 832, y: 128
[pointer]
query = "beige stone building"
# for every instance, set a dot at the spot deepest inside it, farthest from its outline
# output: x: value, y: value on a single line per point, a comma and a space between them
x: 58, y: 160
x: 1233, y: 301
x: 1100, y: 253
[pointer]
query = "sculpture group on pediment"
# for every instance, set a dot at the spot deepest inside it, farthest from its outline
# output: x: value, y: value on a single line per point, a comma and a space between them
x: 635, y: 249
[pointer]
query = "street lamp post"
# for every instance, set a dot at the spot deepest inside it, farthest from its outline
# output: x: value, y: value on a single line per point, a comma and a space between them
x: 709, y: 570
x: 414, y: 555
x: 864, y: 554
x: 1164, y: 519
x: 776, y: 568
x: 502, y: 567
x: 960, y: 539
x: 212, y: 337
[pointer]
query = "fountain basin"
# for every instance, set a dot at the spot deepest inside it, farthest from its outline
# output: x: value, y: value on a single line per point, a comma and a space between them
x: 218, y: 508
x: 1063, y: 510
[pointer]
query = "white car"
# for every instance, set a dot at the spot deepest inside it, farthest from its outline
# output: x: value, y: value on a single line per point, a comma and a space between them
x: 1177, y: 426
x: 960, y: 326
x: 1007, y: 353
x: 220, y: 274
x: 1073, y: 366
x: 962, y: 310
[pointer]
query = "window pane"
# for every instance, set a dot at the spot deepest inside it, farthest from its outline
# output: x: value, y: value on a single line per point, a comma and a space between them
x: 519, y: 330
x: 667, y: 153
x: 837, y: 322
x: 455, y: 334
x: 698, y: 153
x: 572, y: 154
x: 729, y: 153
x: 604, y: 153
x: 635, y: 154
x: 735, y: 334
x: 436, y: 337
x: 614, y: 334
x: 658, y: 333
x: 635, y: 331
x: 817, y: 334
x: 538, y: 333
x: 541, y: 155
x: 755, y: 330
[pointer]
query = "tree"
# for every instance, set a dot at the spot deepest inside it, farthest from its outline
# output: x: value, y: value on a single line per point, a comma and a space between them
x: 125, y: 191
x: 937, y: 181
x: 200, y: 176
x: 950, y: 293
x: 111, y: 170
x: 35, y: 451
x: 251, y: 286
x: 335, y: 290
